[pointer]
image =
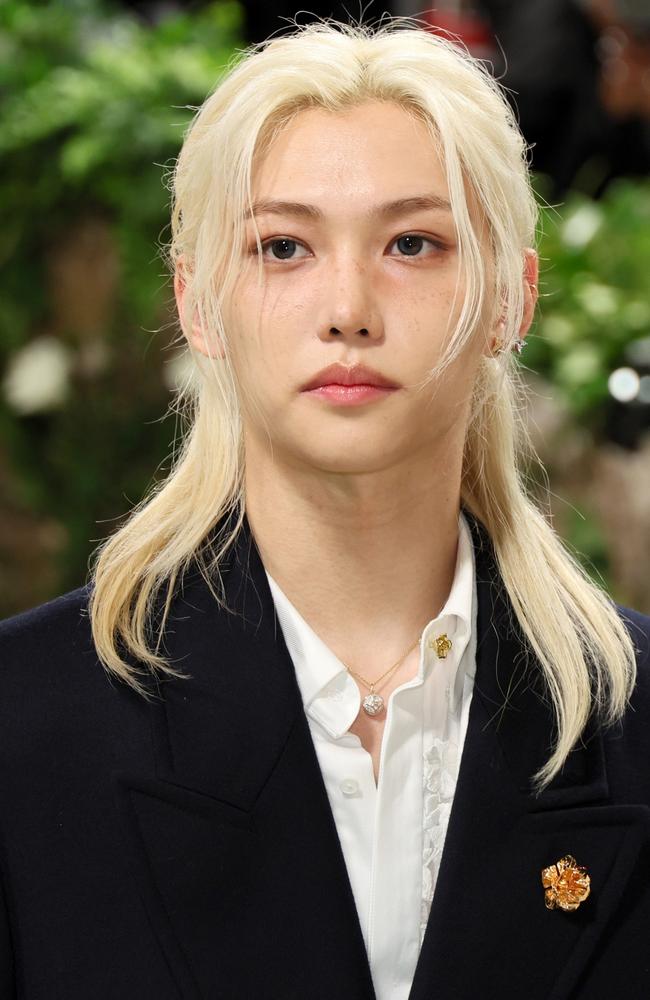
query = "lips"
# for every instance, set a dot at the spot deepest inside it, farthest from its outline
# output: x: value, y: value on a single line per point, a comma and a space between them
x: 338, y: 374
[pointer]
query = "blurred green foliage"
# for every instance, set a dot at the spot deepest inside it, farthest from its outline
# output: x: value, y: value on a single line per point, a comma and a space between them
x: 93, y: 107
x: 92, y: 103
x: 594, y: 293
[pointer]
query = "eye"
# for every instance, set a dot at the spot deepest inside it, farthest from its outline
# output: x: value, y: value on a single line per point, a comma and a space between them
x: 412, y: 243
x: 282, y: 244
x: 282, y: 248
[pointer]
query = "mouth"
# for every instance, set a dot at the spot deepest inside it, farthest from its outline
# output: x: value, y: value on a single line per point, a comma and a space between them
x: 339, y: 376
x: 350, y: 395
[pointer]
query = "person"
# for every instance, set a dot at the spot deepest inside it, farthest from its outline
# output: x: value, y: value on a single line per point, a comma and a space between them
x: 336, y: 714
x: 579, y: 73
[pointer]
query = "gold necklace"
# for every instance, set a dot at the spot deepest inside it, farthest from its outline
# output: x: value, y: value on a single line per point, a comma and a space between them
x: 373, y: 703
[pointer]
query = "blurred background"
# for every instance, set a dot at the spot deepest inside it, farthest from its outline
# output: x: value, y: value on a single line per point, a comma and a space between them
x: 94, y: 98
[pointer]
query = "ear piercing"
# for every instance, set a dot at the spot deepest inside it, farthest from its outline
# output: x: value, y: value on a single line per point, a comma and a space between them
x: 518, y: 344
x: 498, y: 344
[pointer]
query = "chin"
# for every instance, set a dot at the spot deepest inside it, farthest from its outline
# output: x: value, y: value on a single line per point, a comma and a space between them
x: 346, y: 457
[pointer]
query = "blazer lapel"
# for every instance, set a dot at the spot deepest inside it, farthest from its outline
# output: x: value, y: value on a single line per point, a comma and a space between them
x: 232, y: 841
x: 234, y: 848
x: 489, y: 933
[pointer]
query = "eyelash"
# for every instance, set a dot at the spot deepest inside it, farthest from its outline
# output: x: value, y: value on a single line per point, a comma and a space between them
x: 438, y: 244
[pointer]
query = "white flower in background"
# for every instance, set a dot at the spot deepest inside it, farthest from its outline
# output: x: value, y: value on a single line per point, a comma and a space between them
x: 580, y: 366
x: 558, y: 330
x: 637, y: 314
x: 581, y: 226
x: 598, y: 300
x: 624, y: 384
x: 38, y: 376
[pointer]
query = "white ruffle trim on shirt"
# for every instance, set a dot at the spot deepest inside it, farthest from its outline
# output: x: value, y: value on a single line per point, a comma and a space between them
x: 439, y: 784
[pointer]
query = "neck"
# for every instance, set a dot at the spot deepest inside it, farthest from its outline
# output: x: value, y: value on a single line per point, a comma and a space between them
x: 366, y: 559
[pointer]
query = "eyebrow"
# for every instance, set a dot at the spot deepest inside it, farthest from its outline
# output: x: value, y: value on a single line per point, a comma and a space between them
x: 386, y: 210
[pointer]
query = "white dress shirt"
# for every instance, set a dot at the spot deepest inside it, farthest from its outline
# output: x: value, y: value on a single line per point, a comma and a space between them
x: 392, y: 833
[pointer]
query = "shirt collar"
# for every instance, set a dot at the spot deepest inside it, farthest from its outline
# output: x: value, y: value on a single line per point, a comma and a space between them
x: 456, y: 621
x: 329, y: 693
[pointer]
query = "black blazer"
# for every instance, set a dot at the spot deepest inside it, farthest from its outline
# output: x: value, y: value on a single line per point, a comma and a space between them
x: 185, y: 849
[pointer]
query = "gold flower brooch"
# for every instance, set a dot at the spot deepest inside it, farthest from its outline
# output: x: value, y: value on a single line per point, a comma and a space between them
x: 566, y: 884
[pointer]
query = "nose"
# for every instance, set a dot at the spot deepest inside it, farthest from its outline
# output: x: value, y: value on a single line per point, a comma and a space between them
x: 350, y: 307
x: 363, y: 331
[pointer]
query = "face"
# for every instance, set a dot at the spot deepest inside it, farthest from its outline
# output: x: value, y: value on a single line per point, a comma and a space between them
x: 351, y: 281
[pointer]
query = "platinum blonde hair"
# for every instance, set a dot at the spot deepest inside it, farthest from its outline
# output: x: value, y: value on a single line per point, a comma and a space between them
x: 573, y: 627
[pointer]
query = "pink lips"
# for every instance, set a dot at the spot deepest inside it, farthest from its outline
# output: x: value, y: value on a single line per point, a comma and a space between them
x: 349, y: 386
x: 349, y: 395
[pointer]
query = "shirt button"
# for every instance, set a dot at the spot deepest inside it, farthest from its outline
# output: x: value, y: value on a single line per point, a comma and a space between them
x: 349, y: 786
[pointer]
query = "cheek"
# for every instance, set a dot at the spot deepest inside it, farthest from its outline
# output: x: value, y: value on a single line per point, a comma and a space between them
x: 265, y: 337
x: 431, y: 300
x: 271, y: 307
x: 422, y: 324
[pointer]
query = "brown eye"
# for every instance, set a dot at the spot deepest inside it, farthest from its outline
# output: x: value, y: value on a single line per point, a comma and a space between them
x: 282, y: 247
x: 411, y: 244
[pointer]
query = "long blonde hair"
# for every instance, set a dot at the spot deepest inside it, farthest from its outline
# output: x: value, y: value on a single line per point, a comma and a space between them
x: 572, y: 626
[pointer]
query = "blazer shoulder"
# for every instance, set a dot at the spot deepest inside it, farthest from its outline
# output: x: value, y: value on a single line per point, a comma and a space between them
x: 55, y: 693
x: 46, y: 644
x: 638, y: 626
x: 62, y: 620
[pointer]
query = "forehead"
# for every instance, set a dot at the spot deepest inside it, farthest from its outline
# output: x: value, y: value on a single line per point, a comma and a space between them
x: 351, y: 157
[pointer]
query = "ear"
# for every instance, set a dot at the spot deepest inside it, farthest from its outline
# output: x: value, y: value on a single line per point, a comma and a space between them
x: 530, y: 278
x: 531, y: 293
x: 196, y: 335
